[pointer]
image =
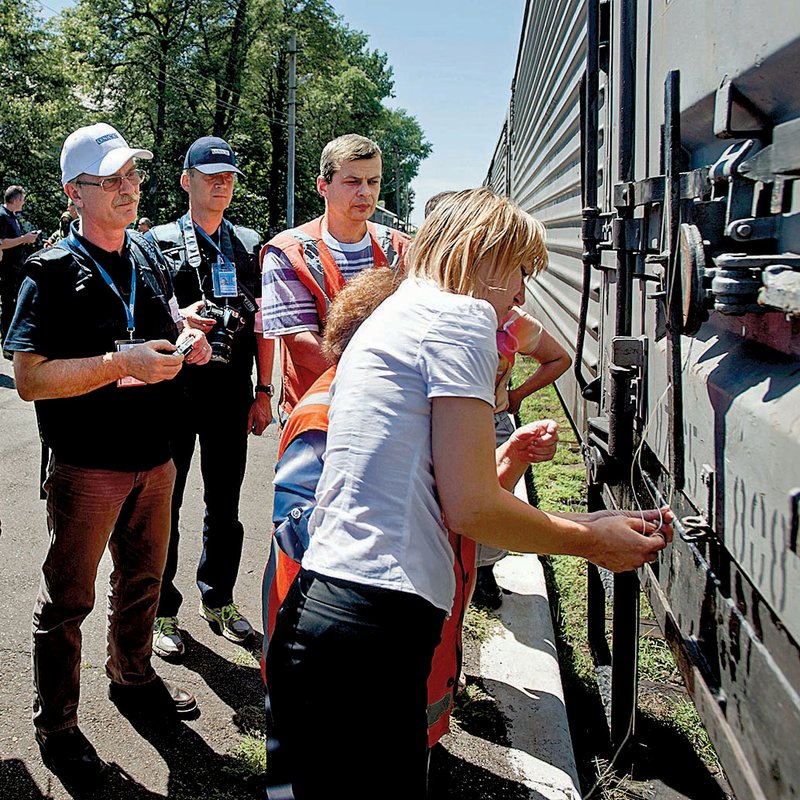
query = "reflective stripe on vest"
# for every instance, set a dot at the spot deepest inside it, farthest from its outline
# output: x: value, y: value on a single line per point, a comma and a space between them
x: 318, y: 399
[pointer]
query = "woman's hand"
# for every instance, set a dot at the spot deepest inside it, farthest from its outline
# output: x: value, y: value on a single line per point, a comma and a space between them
x: 534, y: 442
x: 624, y: 540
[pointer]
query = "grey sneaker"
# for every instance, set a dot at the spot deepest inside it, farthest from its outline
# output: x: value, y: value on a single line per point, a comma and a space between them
x: 167, y: 641
x: 228, y: 621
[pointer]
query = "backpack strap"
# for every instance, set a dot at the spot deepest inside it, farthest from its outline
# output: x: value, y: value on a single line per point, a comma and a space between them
x: 383, y: 235
x: 154, y: 271
x: 313, y: 259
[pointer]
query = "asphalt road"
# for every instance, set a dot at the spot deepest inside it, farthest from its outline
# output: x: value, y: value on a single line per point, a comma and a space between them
x: 192, y: 760
x: 196, y: 758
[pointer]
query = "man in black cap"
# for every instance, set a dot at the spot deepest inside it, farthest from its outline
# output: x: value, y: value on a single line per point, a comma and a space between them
x: 216, y: 274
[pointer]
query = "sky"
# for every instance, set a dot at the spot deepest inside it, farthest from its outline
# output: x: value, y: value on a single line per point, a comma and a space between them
x: 453, y: 63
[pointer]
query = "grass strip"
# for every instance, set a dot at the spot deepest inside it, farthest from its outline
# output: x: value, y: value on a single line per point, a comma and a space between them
x: 665, y: 711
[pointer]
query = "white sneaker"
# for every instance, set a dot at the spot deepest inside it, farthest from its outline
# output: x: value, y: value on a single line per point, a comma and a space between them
x: 167, y: 641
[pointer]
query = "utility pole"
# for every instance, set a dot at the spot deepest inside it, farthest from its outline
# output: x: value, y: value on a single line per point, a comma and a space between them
x: 292, y: 125
x: 398, y: 196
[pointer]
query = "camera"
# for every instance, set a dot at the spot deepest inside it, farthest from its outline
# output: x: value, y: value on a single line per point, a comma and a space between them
x: 184, y: 348
x: 228, y: 323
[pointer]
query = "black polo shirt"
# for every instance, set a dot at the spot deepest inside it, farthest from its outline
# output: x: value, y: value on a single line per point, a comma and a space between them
x: 66, y: 310
x: 215, y: 380
x: 10, y: 229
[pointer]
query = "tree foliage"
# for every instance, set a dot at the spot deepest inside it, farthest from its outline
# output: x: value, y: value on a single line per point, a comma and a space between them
x: 37, y: 109
x: 168, y: 71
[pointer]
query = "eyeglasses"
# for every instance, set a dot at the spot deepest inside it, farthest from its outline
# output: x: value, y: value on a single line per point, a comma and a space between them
x: 113, y: 183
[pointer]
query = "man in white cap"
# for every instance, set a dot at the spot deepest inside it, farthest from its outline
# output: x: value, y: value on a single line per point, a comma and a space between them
x: 216, y: 274
x: 97, y: 339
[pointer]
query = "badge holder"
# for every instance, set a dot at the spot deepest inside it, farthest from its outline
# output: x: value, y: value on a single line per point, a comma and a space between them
x: 125, y: 344
x: 224, y: 278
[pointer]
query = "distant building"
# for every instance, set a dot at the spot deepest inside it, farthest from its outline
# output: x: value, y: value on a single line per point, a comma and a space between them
x: 383, y: 216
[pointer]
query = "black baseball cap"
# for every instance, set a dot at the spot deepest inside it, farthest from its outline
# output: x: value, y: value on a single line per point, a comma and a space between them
x: 210, y: 154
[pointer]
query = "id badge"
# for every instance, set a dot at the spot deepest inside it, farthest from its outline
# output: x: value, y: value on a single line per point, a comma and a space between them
x: 124, y: 344
x: 224, y: 278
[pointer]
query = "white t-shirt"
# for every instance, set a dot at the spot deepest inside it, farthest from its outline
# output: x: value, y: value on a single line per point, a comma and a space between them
x: 377, y: 519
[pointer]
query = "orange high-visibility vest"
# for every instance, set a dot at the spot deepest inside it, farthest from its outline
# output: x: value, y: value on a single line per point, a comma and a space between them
x: 447, y: 658
x: 311, y: 413
x: 317, y: 270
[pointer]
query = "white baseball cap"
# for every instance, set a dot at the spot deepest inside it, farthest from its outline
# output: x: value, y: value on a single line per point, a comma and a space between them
x: 96, y: 150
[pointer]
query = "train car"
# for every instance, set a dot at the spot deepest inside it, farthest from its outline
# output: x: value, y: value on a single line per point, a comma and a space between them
x: 382, y: 216
x: 659, y: 141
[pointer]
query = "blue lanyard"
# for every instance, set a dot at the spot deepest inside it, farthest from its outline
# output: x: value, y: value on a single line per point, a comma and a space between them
x: 225, y: 260
x: 129, y: 306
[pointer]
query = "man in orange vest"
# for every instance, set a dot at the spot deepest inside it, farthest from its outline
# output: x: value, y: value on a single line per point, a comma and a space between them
x: 305, y: 268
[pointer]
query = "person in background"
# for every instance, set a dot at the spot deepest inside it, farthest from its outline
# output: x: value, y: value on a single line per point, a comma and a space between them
x: 144, y: 225
x: 304, y: 268
x: 519, y: 334
x: 64, y: 221
x: 96, y: 341
x: 13, y: 243
x: 409, y: 455
x: 215, y: 270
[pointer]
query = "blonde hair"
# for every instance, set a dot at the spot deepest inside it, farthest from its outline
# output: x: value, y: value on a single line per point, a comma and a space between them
x: 357, y: 300
x: 473, y: 226
x: 350, y: 147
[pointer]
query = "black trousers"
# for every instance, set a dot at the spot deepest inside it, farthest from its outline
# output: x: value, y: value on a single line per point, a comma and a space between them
x: 220, y: 425
x: 10, y: 278
x: 347, y: 671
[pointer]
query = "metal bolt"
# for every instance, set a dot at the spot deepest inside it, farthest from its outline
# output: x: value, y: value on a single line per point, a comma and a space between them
x: 744, y: 230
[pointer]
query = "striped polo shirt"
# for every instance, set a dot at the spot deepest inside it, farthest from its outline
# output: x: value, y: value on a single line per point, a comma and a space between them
x: 288, y: 306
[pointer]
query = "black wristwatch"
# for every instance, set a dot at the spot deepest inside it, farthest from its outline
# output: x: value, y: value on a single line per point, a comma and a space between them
x: 267, y: 388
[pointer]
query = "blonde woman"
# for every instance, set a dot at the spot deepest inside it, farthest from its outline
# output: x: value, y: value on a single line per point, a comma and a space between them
x: 410, y: 453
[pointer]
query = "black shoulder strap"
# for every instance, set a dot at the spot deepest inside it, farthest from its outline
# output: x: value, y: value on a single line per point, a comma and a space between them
x: 384, y: 239
x: 226, y: 239
x: 229, y: 238
x: 313, y: 260
x: 149, y: 261
x: 191, y: 247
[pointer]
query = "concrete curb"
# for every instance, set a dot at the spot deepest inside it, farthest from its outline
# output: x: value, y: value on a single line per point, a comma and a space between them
x: 520, y: 667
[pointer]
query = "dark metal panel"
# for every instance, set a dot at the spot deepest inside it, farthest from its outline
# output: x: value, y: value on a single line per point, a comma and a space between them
x: 732, y: 611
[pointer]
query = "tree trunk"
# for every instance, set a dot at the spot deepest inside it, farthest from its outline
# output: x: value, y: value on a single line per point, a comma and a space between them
x: 229, y: 90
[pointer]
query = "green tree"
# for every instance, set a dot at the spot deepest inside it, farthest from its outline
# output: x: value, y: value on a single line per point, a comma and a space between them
x: 168, y: 71
x: 129, y: 59
x: 404, y: 148
x: 38, y: 105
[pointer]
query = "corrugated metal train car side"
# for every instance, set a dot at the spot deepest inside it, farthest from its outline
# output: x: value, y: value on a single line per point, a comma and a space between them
x: 659, y: 141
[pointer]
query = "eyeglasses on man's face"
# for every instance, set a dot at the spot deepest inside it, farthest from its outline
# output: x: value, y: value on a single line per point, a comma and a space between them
x: 113, y: 182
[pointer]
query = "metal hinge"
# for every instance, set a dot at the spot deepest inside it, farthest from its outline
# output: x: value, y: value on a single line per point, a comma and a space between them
x: 628, y: 234
x: 753, y: 229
